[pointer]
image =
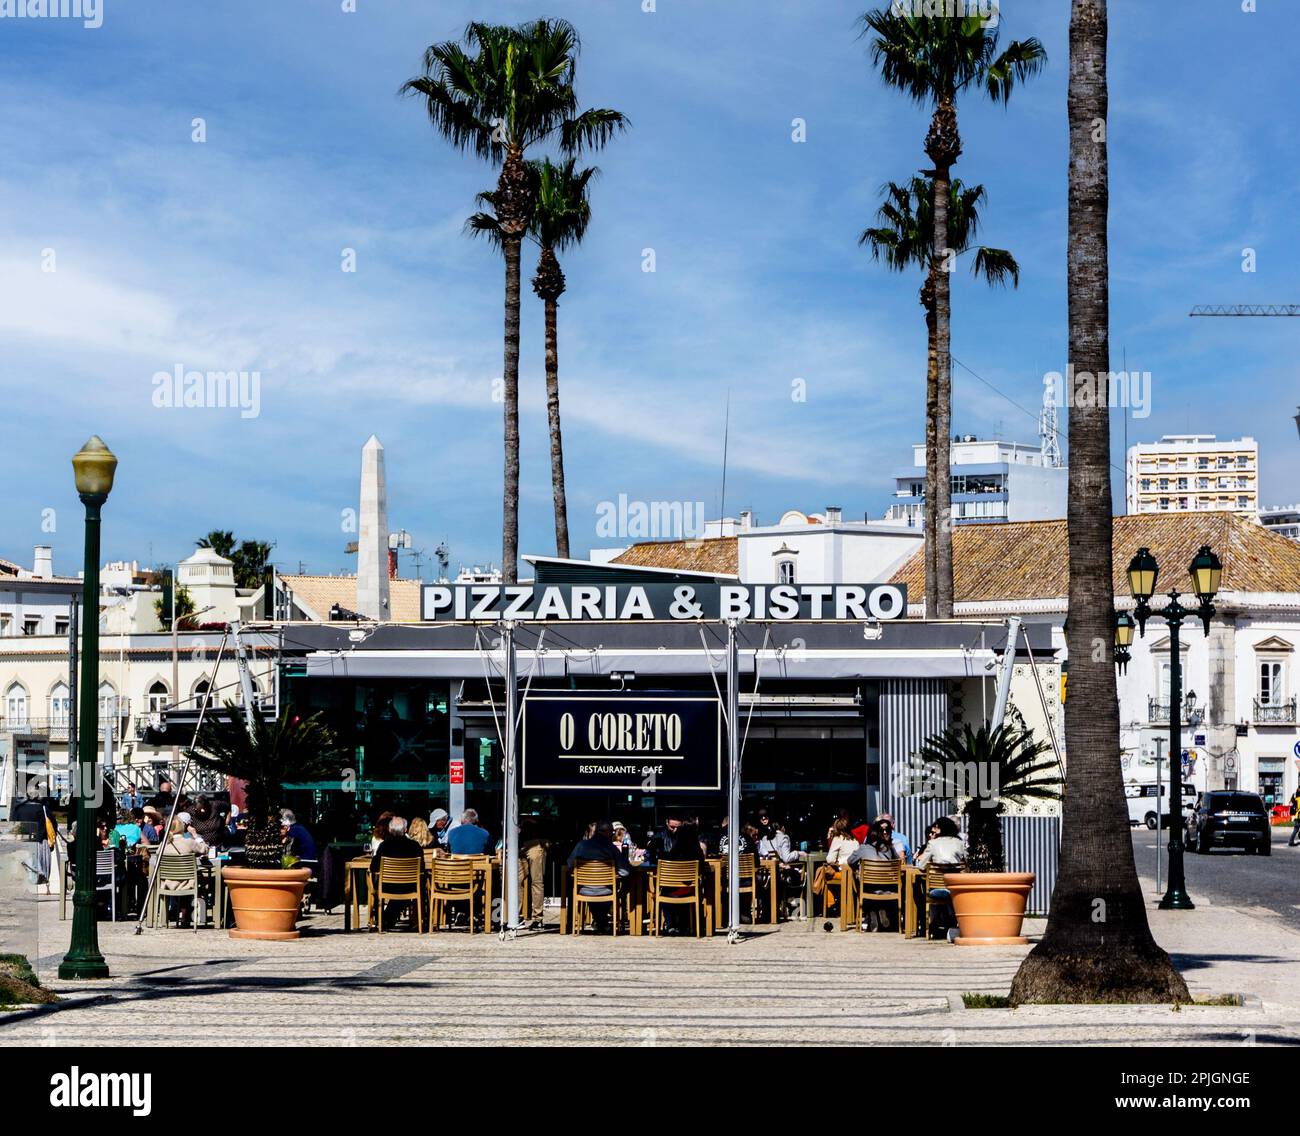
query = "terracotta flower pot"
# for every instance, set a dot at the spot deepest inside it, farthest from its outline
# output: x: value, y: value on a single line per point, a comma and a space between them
x: 990, y: 906
x: 265, y: 901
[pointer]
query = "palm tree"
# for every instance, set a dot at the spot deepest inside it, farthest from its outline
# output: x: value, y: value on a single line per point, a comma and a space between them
x: 221, y: 541
x: 934, y: 59
x: 274, y: 751
x: 501, y: 91
x: 905, y: 238
x: 1006, y: 764
x: 1098, y: 944
x: 559, y: 221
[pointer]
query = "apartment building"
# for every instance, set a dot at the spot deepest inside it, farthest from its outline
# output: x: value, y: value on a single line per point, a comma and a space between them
x: 1185, y: 473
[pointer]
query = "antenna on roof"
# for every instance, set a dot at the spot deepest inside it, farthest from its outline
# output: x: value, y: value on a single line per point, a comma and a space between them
x: 726, y: 435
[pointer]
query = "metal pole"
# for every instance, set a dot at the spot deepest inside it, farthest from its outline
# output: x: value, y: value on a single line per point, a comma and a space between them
x: 176, y: 665
x: 245, y: 681
x: 510, y: 837
x: 1004, y: 675
x: 733, y: 785
x: 84, y: 959
x: 1160, y: 807
x: 1176, y: 897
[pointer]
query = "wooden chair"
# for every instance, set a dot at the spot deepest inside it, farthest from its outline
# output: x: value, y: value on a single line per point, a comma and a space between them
x: 674, y: 875
x: 934, y: 874
x: 747, y: 884
x: 873, y: 875
x: 593, y: 874
x: 404, y: 874
x: 452, y: 882
x: 177, y: 868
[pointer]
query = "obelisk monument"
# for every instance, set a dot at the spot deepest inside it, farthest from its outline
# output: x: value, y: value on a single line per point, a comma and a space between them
x: 372, y: 540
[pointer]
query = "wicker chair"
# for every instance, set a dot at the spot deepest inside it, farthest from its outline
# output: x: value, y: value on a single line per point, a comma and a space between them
x: 874, y: 875
x: 672, y: 876
x: 594, y: 874
x: 748, y: 882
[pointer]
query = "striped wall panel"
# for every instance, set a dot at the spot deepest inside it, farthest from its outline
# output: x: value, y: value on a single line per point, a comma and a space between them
x: 1033, y: 844
x: 911, y: 709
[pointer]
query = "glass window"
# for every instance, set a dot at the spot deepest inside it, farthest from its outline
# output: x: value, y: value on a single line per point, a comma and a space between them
x: 158, y: 697
x: 785, y: 571
x: 1270, y: 683
x: 59, y: 704
x: 16, y: 706
x: 107, y: 700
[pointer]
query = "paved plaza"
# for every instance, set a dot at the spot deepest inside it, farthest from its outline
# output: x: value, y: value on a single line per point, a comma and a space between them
x: 787, y: 985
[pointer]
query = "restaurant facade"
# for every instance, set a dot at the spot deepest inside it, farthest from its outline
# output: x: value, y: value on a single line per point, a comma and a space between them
x: 622, y: 711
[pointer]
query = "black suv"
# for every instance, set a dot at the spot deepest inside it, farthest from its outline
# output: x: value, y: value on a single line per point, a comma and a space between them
x: 1228, y: 819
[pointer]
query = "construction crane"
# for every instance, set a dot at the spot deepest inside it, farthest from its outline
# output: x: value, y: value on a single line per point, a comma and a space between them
x: 1250, y: 310
x: 1245, y: 310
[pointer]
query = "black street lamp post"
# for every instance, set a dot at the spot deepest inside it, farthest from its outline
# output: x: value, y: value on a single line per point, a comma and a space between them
x: 1206, y: 572
x: 93, y: 467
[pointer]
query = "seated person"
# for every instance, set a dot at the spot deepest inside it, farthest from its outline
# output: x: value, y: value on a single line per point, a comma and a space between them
x: 879, y: 846
x: 467, y: 838
x: 301, y: 842
x: 395, y: 846
x: 945, y: 849
x: 599, y: 847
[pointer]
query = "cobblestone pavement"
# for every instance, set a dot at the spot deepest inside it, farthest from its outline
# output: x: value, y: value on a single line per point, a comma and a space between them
x: 787, y: 985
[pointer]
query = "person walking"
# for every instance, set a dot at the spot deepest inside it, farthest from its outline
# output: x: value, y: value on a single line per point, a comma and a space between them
x: 1295, y: 819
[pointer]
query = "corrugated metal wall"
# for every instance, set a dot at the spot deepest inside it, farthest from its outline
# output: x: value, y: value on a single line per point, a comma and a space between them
x: 910, y: 711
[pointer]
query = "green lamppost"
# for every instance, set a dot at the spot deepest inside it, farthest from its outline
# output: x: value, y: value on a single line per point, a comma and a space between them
x: 1206, y: 571
x: 93, y: 467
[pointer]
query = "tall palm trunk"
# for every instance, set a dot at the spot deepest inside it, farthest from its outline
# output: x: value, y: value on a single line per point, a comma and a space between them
x: 931, y: 445
x: 943, y: 147
x: 510, y: 396
x: 1098, y: 944
x: 549, y: 284
x: 513, y: 203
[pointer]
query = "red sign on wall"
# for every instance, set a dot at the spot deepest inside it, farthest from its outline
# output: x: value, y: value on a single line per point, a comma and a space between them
x: 457, y: 772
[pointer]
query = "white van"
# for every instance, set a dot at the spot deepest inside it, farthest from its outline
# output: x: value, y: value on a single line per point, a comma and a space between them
x: 1142, y: 802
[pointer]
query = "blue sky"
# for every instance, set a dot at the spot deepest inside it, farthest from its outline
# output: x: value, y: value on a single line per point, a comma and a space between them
x: 226, y: 255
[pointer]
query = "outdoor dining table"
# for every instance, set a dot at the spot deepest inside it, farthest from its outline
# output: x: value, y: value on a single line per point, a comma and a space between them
x: 359, y: 866
x: 209, y: 868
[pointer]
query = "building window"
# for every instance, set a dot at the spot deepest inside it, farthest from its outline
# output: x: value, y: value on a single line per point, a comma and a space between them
x: 1182, y: 483
x: 16, y: 706
x: 200, y: 691
x: 31, y: 625
x: 1243, y: 461
x: 107, y: 701
x: 1271, y: 682
x: 1164, y: 483
x: 60, y: 705
x: 1146, y: 484
x: 6, y: 623
x: 1202, y: 463
x: 158, y: 697
x: 61, y: 625
x: 1243, y: 502
x: 785, y: 571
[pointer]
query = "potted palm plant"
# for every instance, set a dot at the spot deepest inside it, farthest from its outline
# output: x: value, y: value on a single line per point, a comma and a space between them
x: 266, y: 894
x: 985, y: 769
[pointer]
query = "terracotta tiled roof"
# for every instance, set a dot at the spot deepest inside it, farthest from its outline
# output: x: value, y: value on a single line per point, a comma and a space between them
x: 320, y: 593
x: 1029, y: 559
x: 717, y: 555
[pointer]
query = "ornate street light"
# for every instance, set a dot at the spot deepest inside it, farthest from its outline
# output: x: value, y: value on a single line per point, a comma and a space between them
x: 1124, y: 625
x: 93, y: 467
x: 1206, y: 572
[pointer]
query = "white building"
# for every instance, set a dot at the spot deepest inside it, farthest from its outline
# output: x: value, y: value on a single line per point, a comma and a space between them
x: 1282, y: 519
x: 803, y: 548
x: 992, y: 482
x: 1185, y: 473
x: 1245, y: 673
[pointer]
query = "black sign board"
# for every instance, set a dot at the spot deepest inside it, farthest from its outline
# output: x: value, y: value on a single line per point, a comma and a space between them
x: 621, y: 742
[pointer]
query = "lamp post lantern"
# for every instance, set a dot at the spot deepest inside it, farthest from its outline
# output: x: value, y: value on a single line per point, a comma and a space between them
x: 1206, y: 572
x: 93, y: 468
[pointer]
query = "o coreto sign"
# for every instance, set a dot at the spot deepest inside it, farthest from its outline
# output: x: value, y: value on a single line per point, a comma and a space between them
x: 491, y: 603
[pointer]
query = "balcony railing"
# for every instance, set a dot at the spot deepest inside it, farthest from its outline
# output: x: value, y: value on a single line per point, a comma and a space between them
x: 1275, y: 713
x: 1157, y: 711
